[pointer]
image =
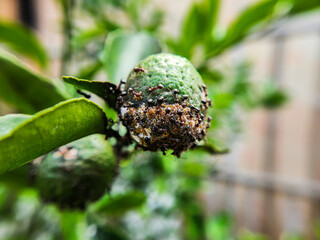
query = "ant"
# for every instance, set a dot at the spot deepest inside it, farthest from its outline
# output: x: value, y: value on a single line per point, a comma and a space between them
x: 138, y: 70
x: 160, y: 86
x: 122, y: 82
x: 83, y: 94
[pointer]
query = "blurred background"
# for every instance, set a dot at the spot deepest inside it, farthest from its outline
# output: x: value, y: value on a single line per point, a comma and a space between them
x: 269, y: 181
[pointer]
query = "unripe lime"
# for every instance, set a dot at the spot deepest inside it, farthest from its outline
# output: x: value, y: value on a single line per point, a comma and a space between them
x: 77, y: 173
x: 164, y: 104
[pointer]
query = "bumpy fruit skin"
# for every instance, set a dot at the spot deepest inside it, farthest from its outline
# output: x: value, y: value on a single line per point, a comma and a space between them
x: 163, y: 104
x: 77, y: 173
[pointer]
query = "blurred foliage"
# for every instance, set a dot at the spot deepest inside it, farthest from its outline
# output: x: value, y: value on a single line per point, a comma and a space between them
x: 33, y: 95
x: 23, y: 41
x: 153, y: 197
x: 123, y: 51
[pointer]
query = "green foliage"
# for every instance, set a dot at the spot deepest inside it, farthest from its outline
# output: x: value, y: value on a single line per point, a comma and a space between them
x: 242, y: 25
x: 272, y: 97
x: 73, y: 225
x: 23, y: 217
x: 198, y: 26
x: 124, y: 50
x: 219, y: 227
x: 119, y: 204
x: 301, y: 6
x: 152, y: 195
x: 105, y: 90
x: 10, y: 121
x: 48, y: 130
x: 24, y: 89
x: 23, y: 41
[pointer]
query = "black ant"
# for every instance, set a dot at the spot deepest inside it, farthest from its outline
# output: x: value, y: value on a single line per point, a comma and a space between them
x: 122, y: 82
x: 175, y: 92
x: 83, y: 94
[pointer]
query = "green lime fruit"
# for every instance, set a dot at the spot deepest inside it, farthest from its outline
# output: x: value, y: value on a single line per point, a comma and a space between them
x: 164, y: 103
x: 77, y: 173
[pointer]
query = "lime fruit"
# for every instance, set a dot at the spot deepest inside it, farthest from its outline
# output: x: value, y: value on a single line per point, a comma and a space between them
x: 164, y: 103
x: 75, y: 174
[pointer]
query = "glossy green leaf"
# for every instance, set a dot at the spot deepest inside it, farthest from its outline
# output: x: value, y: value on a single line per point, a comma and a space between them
x: 49, y: 129
x: 10, y: 121
x: 124, y: 50
x: 105, y: 90
x: 248, y: 19
x: 23, y: 41
x: 119, y: 204
x: 24, y: 89
x: 198, y: 26
x: 243, y: 24
x: 18, y: 178
x: 301, y: 6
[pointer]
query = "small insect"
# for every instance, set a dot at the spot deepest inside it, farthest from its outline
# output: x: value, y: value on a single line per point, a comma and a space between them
x: 175, y: 92
x: 120, y: 100
x: 205, y: 89
x: 150, y: 102
x: 160, y: 100
x: 160, y: 86
x: 138, y: 70
x: 184, y: 104
x: 83, y: 94
x: 122, y: 82
x: 137, y: 95
x: 195, y: 109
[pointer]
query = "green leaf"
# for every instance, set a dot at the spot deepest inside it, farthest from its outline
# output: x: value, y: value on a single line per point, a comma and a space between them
x: 212, y: 149
x: 88, y: 72
x: 73, y: 225
x: 23, y: 41
x: 10, y: 121
x: 243, y: 24
x: 301, y: 6
x: 219, y: 226
x: 24, y: 89
x: 105, y: 90
x: 198, y: 26
x: 119, y: 204
x: 49, y: 129
x: 123, y: 50
x: 272, y: 97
